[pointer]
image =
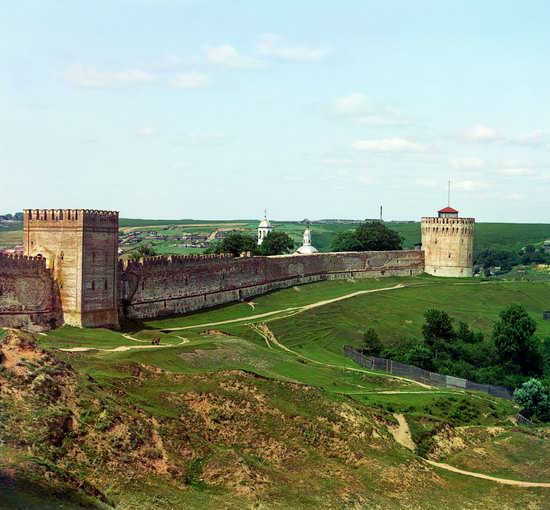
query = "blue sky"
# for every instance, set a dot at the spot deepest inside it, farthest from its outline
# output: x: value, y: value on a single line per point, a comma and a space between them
x: 317, y: 109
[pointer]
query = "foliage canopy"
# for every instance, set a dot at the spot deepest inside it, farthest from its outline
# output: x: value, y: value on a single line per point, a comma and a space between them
x: 368, y: 236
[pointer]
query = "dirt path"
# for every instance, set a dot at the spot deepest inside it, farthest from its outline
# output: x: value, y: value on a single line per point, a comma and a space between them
x: 505, y: 481
x: 124, y: 348
x: 258, y: 330
x: 264, y: 331
x: 291, y: 310
x: 125, y: 335
x: 402, y: 434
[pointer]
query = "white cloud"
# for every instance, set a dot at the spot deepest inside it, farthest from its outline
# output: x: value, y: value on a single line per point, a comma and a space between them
x: 294, y: 178
x: 273, y: 46
x: 359, y: 108
x: 387, y: 145
x: 207, y: 139
x: 364, y: 179
x: 515, y: 171
x: 467, y: 163
x: 191, y: 80
x: 175, y: 62
x: 428, y: 183
x: 540, y: 137
x: 182, y: 165
x: 91, y: 77
x: 471, y: 185
x: 147, y: 131
x: 481, y: 134
x: 228, y: 56
x: 337, y: 162
x: 514, y: 196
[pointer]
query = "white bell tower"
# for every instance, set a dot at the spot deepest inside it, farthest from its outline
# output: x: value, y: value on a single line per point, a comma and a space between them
x: 264, y: 228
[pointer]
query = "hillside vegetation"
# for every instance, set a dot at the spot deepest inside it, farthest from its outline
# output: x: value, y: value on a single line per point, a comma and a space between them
x: 253, y: 406
x: 502, y: 236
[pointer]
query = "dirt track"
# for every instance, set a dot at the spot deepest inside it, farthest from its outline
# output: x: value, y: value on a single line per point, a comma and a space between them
x: 288, y: 311
x: 402, y: 435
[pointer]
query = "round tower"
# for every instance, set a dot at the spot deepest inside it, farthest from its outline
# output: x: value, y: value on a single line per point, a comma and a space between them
x: 448, y: 244
x: 264, y: 228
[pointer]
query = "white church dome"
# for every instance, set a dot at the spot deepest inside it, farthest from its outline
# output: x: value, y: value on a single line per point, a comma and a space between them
x: 306, y: 250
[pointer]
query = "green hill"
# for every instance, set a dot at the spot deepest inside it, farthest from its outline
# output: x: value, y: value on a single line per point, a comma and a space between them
x: 508, y: 236
x: 252, y: 405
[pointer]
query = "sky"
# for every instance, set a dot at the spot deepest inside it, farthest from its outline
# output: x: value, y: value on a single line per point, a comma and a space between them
x: 312, y: 109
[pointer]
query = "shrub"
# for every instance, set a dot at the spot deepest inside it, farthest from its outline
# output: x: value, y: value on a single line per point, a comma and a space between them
x: 534, y: 398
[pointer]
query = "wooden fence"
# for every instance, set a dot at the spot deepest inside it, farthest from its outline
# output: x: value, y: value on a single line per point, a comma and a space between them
x: 424, y: 376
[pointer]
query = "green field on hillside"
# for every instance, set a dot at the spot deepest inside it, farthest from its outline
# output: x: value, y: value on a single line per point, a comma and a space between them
x: 254, y: 404
x: 506, y: 236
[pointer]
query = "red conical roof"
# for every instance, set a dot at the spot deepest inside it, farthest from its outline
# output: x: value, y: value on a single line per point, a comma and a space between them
x: 447, y: 210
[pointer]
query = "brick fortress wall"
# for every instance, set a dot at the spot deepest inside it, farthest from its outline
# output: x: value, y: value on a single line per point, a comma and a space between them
x: 159, y: 286
x: 28, y: 294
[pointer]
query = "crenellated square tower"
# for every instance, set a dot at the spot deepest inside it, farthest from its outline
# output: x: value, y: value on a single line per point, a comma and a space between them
x: 81, y: 248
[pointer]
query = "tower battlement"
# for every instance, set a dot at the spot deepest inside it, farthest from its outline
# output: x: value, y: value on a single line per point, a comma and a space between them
x: 163, y: 260
x: 434, y: 220
x: 71, y: 216
x: 23, y: 262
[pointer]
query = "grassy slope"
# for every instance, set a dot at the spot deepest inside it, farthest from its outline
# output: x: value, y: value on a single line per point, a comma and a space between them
x: 202, y: 367
x: 398, y: 314
x: 527, y: 456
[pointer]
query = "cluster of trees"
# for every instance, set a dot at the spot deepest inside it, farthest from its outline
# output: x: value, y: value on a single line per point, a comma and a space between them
x: 510, y: 356
x: 274, y: 243
x: 506, y: 259
x: 368, y: 236
x: 12, y: 217
x: 143, y: 250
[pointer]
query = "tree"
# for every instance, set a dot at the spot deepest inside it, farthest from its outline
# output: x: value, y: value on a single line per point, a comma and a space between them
x: 466, y: 335
x: 438, y: 329
x: 420, y: 356
x: 276, y: 243
x: 368, y: 236
x: 546, y: 355
x: 513, y: 336
x: 235, y: 243
x: 534, y: 398
x: 491, y: 257
x: 143, y: 250
x: 376, y: 236
x: 371, y: 342
x: 346, y: 241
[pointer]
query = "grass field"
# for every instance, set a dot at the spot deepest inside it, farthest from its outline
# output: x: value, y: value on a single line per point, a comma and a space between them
x: 302, y: 320
x: 239, y: 397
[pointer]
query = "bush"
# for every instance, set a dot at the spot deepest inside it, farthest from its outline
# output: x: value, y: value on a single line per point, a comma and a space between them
x: 371, y: 343
x: 514, y: 339
x: 420, y: 356
x: 534, y: 398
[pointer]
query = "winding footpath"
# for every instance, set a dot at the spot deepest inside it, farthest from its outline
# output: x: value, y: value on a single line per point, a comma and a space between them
x: 124, y: 348
x: 270, y: 339
x: 402, y: 435
x: 293, y: 310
